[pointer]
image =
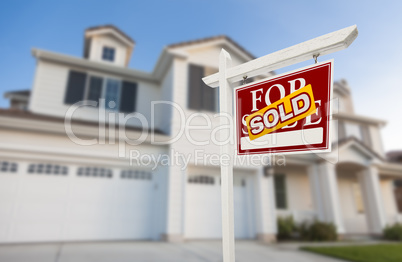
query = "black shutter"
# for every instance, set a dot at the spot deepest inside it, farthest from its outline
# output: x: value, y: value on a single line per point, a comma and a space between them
x: 75, y: 87
x: 95, y: 88
x: 128, y: 97
x: 195, y: 87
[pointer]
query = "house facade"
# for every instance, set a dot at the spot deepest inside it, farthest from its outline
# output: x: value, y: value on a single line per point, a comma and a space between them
x: 99, y: 151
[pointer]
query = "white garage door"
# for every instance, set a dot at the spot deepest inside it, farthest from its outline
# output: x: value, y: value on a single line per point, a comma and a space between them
x: 203, y: 207
x: 51, y: 202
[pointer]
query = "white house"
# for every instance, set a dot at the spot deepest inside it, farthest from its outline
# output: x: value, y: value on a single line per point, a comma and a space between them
x: 73, y: 182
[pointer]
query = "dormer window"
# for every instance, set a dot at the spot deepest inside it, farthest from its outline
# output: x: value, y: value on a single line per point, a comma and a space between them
x: 108, y: 53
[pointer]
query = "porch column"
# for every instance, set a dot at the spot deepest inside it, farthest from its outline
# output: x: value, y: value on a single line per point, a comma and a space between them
x: 266, y: 209
x: 373, y: 202
x: 324, y: 187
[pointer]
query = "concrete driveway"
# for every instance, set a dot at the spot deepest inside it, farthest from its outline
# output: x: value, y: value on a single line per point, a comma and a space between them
x: 202, y: 251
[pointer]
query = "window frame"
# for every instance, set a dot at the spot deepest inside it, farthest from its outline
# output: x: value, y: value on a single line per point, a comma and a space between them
x: 119, y: 89
x: 284, y: 193
x: 104, y: 86
x: 108, y: 48
x: 105, y: 78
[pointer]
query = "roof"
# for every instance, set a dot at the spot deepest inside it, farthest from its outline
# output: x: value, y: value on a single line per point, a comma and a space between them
x: 16, y: 113
x: 18, y: 95
x: 359, y: 118
x: 95, y: 28
x: 88, y: 64
x: 209, y: 39
x: 395, y: 156
x: 19, y: 92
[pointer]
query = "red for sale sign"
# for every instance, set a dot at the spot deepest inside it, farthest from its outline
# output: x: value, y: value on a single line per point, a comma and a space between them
x: 288, y: 113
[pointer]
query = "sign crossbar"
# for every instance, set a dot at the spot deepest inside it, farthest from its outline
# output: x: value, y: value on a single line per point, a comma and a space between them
x: 322, y: 45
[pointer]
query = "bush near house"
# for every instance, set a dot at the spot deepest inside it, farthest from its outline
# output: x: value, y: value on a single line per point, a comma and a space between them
x: 286, y: 227
x: 316, y: 231
x: 393, y: 232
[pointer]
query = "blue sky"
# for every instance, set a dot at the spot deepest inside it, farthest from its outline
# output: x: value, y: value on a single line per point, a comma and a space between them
x: 371, y: 64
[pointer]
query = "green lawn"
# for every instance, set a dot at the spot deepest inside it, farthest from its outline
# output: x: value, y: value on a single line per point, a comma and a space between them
x: 370, y: 253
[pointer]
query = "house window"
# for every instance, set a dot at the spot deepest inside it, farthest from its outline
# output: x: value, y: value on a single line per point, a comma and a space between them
x: 48, y: 169
x: 95, y: 172
x: 280, y: 191
x: 108, y: 53
x: 206, y: 180
x: 200, y: 96
x: 135, y: 174
x: 112, y: 94
x: 119, y: 95
x: 8, y: 167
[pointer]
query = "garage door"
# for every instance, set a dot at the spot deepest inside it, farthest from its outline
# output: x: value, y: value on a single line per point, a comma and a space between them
x: 53, y: 202
x: 203, y: 206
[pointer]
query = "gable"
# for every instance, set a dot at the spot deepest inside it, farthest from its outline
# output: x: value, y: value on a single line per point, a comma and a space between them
x: 355, y: 152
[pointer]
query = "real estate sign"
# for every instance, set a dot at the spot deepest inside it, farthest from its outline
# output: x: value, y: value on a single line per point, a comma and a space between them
x: 287, y: 113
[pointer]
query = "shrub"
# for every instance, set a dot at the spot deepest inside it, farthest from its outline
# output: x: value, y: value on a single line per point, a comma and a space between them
x: 318, y: 231
x: 393, y: 232
x: 304, y: 231
x: 286, y: 227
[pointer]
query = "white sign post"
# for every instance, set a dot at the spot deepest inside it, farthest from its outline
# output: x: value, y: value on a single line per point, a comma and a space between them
x: 322, y: 45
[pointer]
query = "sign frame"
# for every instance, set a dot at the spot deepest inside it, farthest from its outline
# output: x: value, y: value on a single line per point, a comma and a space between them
x: 322, y: 45
x: 329, y: 112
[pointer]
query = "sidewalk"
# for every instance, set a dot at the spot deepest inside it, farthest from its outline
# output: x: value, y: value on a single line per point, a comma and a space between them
x: 202, y: 251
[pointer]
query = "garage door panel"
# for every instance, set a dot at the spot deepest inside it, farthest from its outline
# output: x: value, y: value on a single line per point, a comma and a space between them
x: 8, y: 185
x: 36, y: 231
x: 130, y: 230
x: 6, y: 208
x: 39, y: 207
x: 43, y: 187
x: 3, y: 231
x: 203, y: 207
x: 92, y: 190
x: 39, y: 212
x: 90, y: 230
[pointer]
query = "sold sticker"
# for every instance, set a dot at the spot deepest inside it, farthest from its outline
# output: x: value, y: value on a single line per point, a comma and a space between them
x: 296, y: 106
